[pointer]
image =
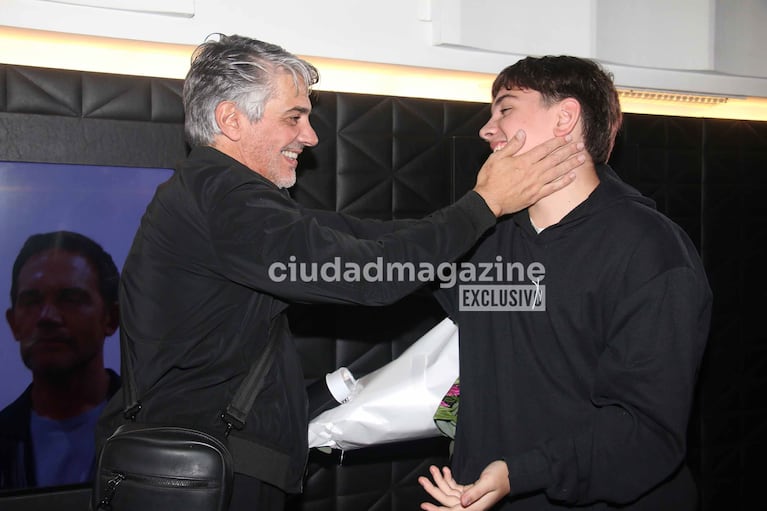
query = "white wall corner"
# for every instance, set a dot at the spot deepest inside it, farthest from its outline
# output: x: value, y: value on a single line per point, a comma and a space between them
x: 445, y: 17
x: 656, y: 33
x: 516, y: 28
x: 179, y: 8
x: 741, y: 38
x: 424, y: 10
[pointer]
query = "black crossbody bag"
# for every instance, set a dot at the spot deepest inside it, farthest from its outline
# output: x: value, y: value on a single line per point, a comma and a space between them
x: 157, y: 467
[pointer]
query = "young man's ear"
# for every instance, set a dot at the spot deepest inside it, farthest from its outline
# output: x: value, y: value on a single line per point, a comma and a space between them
x: 568, y: 116
x: 228, y: 118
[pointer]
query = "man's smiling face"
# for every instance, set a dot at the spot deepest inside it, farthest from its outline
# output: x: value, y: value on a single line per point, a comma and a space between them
x: 271, y: 145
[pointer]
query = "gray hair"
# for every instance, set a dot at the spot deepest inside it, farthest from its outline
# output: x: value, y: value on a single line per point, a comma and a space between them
x: 238, y: 69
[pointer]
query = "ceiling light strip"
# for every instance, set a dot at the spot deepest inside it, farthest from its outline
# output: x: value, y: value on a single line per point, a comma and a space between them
x: 673, y: 97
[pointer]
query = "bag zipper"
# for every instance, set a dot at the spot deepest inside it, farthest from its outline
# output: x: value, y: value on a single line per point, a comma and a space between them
x: 106, y: 501
x: 167, y: 482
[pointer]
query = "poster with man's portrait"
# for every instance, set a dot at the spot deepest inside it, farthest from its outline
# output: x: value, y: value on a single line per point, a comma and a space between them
x: 102, y: 203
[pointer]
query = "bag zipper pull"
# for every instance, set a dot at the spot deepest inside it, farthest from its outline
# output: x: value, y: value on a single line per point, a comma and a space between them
x: 111, y: 489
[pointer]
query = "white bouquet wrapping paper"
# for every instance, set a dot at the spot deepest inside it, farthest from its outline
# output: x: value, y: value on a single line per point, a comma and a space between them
x: 396, y: 402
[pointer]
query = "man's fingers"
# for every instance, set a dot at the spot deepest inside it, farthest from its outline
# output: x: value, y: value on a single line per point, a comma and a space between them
x: 562, y: 169
x: 553, y: 186
x: 550, y: 155
x: 513, y: 145
x: 561, y: 161
x: 543, y: 150
x: 531, y: 171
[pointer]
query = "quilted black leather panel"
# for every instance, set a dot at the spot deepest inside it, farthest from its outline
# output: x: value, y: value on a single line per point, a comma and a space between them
x: 662, y: 157
x: 39, y: 91
x: 733, y: 417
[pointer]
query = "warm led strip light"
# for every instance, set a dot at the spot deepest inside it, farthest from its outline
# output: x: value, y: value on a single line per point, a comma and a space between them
x: 119, y: 56
x: 672, y: 96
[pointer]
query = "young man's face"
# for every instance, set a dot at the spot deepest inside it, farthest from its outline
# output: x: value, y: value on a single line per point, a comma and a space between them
x: 271, y: 146
x: 515, y: 109
x: 60, y: 319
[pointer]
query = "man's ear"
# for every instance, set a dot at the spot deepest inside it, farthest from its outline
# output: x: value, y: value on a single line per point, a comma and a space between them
x: 568, y: 116
x: 11, y: 322
x: 228, y: 118
x: 113, y: 319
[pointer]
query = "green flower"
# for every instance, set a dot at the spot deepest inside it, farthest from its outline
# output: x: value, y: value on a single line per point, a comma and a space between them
x: 446, y: 416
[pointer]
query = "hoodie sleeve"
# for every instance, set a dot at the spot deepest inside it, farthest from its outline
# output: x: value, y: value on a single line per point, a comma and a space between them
x: 641, y: 397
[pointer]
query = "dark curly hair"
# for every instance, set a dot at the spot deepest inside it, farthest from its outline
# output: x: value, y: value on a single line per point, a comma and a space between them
x: 560, y: 77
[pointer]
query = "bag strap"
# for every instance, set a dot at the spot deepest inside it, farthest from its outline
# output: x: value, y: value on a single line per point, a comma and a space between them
x: 131, y: 403
x: 236, y: 412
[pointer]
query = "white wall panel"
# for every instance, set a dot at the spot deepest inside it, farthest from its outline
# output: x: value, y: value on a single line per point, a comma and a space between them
x: 704, y: 46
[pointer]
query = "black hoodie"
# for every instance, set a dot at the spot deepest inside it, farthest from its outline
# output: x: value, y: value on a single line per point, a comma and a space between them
x: 578, y: 367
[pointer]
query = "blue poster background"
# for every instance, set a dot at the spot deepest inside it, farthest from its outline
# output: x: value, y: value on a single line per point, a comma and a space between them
x: 104, y: 203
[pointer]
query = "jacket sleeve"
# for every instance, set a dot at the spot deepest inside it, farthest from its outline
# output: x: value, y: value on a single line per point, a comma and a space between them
x: 362, y: 228
x: 641, y: 399
x: 264, y: 240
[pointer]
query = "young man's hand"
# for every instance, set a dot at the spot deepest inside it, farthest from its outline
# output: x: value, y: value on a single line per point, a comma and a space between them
x: 484, y: 493
x: 509, y: 182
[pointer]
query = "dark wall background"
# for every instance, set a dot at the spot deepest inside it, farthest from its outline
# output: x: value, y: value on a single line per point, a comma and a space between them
x: 388, y: 157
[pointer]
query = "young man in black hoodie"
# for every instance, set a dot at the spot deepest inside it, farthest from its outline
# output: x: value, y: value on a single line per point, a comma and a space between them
x: 583, y: 320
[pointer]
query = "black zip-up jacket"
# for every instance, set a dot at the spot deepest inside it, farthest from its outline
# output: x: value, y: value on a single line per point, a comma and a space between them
x: 17, y: 461
x: 207, y: 277
x: 586, y: 392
